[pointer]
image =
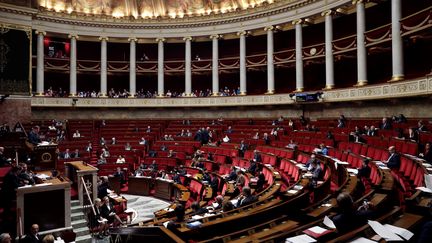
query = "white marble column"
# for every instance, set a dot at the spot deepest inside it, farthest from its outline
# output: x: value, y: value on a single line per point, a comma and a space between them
x: 160, y: 87
x: 40, y: 63
x: 103, y: 77
x: 215, y: 64
x: 270, y: 60
x: 397, y: 44
x: 188, y: 66
x: 132, y: 67
x: 299, y: 54
x: 73, y: 66
x: 329, y: 59
x: 243, y: 84
x: 361, y: 44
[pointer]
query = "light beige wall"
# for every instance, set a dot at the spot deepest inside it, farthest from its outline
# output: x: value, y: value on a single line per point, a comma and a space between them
x: 410, y: 107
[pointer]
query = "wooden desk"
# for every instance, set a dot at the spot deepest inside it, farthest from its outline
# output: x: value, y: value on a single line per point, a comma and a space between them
x: 163, y: 189
x: 139, y: 185
x: 78, y: 170
x: 46, y: 204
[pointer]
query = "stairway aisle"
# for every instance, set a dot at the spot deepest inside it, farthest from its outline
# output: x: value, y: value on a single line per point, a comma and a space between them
x: 79, y: 223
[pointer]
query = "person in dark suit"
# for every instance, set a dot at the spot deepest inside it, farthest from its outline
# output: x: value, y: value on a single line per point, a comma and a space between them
x: 66, y: 154
x: 33, y: 136
x: 179, y: 212
x: 348, y: 217
x: 197, y: 209
x: 242, y: 148
x: 76, y: 154
x: 26, y: 176
x: 246, y: 198
x: 317, y: 172
x: 427, y: 153
x: 232, y: 175
x: 214, y: 184
x: 364, y: 171
x: 3, y: 160
x: 33, y: 236
x: 97, y: 221
x: 108, y: 211
x: 252, y: 167
x: 103, y: 187
x: 257, y: 156
x: 119, y: 174
x: 386, y: 124
x: 393, y: 162
x: 260, y: 181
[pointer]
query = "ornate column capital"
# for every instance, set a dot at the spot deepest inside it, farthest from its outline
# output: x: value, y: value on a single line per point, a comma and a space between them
x: 160, y: 39
x: 243, y: 32
x: 269, y: 28
x: 215, y: 36
x: 187, y: 38
x: 328, y: 12
x: 40, y: 32
x: 354, y: 2
x: 101, y: 38
x: 132, y: 39
x: 298, y: 21
x: 73, y: 36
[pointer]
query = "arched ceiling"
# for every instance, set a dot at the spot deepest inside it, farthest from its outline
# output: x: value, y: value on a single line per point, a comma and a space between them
x: 154, y: 8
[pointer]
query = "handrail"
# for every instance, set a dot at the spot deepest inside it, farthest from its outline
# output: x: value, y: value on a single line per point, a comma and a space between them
x: 88, y: 195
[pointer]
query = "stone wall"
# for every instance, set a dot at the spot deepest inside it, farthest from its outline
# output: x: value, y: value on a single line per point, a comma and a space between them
x: 14, y: 109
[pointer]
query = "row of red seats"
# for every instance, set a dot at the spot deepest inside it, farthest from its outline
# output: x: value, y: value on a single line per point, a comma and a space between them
x: 221, y: 151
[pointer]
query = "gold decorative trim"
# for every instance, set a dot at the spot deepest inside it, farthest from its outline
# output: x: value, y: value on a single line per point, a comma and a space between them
x: 134, y: 39
x: 361, y: 83
x: 329, y: 87
x: 396, y: 78
x: 187, y: 38
x: 160, y: 39
x: 298, y: 90
x: 73, y: 36
x: 270, y: 92
x: 101, y: 38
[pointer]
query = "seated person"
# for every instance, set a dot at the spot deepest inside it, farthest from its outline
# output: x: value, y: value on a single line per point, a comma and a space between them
x: 317, y: 172
x: 120, y: 160
x: 108, y: 211
x: 393, y: 162
x: 232, y: 175
x: 76, y: 134
x: 197, y: 209
x: 260, y: 182
x: 179, y: 212
x: 257, y: 156
x: 97, y: 221
x: 32, y: 236
x: 246, y: 197
x: 252, y: 167
x: 128, y: 147
x: 348, y: 217
x: 311, y: 159
x: 427, y: 153
x: 3, y: 160
x: 26, y: 175
x: 153, y: 167
x: 218, y: 202
x: 103, y: 187
x: 240, y: 181
x: 101, y: 160
x: 119, y: 174
x: 364, y: 171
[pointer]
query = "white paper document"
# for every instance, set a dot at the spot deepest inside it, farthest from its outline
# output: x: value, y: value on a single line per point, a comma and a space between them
x: 317, y: 229
x: 354, y: 171
x: 329, y: 223
x: 301, y: 239
x: 383, y: 231
x: 424, y: 189
x: 292, y: 191
x: 406, y: 234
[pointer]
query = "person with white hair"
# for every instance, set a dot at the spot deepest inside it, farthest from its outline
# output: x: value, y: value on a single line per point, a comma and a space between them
x: 5, y: 238
x: 98, y: 222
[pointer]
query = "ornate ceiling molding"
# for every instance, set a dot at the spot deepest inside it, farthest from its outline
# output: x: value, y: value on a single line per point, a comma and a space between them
x: 277, y: 13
